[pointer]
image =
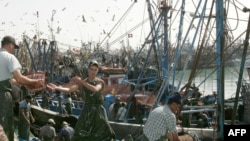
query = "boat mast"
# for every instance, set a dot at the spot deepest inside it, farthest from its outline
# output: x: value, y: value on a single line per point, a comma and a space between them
x: 220, y: 71
x: 165, y: 7
x: 242, y: 66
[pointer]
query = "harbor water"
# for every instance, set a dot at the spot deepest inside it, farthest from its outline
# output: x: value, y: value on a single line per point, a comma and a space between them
x: 206, y: 80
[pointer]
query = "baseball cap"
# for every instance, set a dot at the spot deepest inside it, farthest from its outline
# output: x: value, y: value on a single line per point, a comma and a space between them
x: 65, y: 123
x: 9, y: 39
x: 93, y: 63
x: 51, y: 121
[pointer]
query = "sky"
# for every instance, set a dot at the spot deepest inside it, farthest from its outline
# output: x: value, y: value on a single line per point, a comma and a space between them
x: 76, y: 21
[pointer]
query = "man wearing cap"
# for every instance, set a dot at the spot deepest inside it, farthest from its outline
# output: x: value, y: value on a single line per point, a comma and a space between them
x: 161, y: 123
x: 92, y: 124
x: 10, y: 70
x: 66, y: 132
x: 25, y: 118
x: 48, y: 132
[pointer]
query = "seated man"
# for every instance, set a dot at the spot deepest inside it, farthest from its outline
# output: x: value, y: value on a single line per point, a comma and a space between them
x: 161, y: 123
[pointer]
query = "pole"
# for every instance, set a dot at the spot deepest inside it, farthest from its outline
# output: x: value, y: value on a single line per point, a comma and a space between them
x: 219, y: 49
x: 243, y: 60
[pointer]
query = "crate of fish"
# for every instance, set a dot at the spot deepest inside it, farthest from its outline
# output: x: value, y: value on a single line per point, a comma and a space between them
x: 38, y: 76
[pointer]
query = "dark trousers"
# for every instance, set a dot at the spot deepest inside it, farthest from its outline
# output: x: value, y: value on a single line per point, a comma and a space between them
x: 6, y: 109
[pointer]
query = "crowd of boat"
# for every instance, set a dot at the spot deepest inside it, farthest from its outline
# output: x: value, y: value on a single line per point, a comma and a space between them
x: 140, y: 80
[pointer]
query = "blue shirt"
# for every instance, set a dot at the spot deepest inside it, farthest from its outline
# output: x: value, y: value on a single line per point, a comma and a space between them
x: 66, y: 132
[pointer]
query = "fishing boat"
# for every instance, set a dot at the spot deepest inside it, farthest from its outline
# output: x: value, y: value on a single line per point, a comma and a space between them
x: 150, y: 75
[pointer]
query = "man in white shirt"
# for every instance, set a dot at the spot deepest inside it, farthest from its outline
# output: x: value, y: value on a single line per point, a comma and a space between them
x: 10, y: 73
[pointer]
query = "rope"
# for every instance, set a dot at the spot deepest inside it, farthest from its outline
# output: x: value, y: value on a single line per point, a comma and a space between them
x: 119, y: 21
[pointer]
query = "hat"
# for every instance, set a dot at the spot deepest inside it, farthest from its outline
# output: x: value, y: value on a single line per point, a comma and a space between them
x: 93, y: 63
x: 9, y: 39
x: 176, y: 98
x: 51, y: 121
x: 65, y: 123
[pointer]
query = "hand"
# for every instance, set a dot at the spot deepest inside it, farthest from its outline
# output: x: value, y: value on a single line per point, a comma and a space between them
x: 14, y: 82
x: 170, y: 137
x: 52, y: 86
x: 28, y: 121
x: 36, y: 85
x: 32, y: 120
x: 40, y: 83
x: 76, y: 79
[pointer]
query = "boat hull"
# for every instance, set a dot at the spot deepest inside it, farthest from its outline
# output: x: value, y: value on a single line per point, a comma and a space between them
x: 122, y: 130
x: 42, y: 115
x: 127, y: 130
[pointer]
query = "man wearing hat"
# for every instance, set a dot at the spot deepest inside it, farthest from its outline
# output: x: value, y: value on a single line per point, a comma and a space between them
x: 66, y: 132
x: 48, y: 132
x: 10, y: 70
x: 161, y: 123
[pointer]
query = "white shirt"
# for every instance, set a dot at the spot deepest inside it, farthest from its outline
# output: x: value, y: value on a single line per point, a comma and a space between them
x: 8, y: 63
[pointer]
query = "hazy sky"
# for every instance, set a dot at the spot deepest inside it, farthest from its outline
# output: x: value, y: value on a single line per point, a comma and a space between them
x: 90, y: 20
x: 28, y: 16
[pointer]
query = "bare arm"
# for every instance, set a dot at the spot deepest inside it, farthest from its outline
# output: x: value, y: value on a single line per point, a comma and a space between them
x: 70, y: 89
x: 23, y: 80
x: 93, y: 88
x: 173, y: 136
x: 31, y: 117
x: 19, y: 79
x: 23, y: 115
x: 90, y: 87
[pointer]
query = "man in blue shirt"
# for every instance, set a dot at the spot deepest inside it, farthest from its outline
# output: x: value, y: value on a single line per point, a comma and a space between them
x: 25, y: 118
x: 66, y: 132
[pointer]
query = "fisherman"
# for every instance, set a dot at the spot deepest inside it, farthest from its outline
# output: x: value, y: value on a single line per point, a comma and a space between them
x: 10, y: 73
x: 25, y: 118
x: 163, y: 121
x: 203, y: 120
x: 45, y: 100
x: 48, y: 132
x: 66, y: 132
x: 121, y: 114
x: 115, y: 108
x: 68, y: 103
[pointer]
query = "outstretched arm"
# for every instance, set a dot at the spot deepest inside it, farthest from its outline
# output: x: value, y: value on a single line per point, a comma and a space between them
x: 29, y: 83
x: 70, y: 89
x: 23, y: 80
x: 93, y: 88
